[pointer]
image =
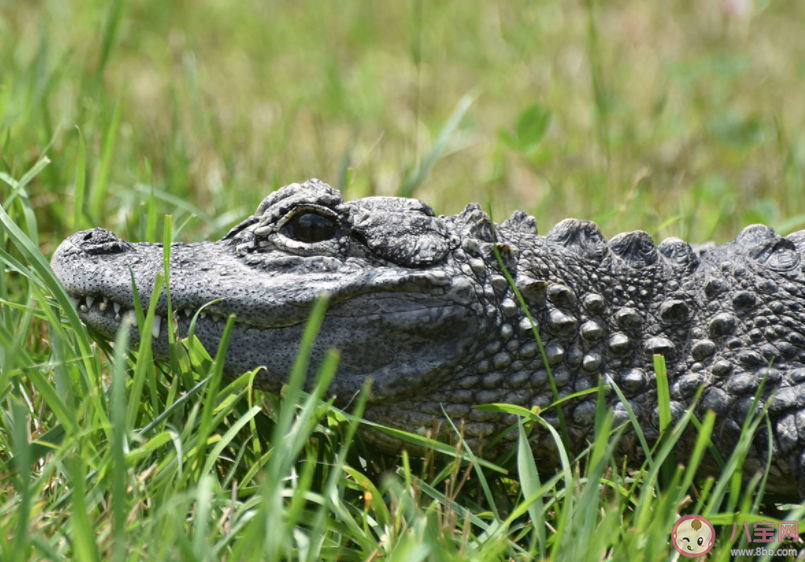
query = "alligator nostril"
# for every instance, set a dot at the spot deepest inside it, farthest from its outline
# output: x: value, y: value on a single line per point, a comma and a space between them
x: 100, y: 241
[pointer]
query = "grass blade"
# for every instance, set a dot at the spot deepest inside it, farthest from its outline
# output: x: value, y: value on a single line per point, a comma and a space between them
x: 530, y: 483
x: 119, y: 445
x: 635, y: 423
x: 111, y: 27
x: 22, y: 465
x: 205, y: 429
x: 80, y: 180
x: 82, y: 529
x: 107, y: 153
x: 420, y: 173
x: 144, y: 363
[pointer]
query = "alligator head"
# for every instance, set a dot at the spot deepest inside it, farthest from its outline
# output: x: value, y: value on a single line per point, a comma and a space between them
x: 394, y: 313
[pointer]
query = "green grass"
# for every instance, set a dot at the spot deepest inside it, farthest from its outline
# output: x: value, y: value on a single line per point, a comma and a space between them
x: 172, y: 120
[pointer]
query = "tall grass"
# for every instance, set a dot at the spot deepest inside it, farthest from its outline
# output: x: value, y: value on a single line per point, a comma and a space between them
x: 110, y: 455
x: 680, y: 119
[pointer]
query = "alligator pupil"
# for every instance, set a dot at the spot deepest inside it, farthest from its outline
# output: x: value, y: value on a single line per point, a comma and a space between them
x: 312, y: 227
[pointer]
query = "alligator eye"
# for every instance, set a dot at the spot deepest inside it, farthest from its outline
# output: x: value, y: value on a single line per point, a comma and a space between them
x: 311, y: 228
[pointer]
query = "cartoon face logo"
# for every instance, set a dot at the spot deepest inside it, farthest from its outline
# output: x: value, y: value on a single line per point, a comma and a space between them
x: 693, y: 536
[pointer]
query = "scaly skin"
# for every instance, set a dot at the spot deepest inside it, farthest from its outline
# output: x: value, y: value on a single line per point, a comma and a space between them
x: 420, y: 304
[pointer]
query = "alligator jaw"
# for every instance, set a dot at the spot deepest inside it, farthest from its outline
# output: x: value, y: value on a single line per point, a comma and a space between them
x: 365, y: 352
x: 106, y: 315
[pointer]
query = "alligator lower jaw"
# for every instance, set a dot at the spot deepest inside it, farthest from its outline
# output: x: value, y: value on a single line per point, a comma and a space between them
x: 392, y: 347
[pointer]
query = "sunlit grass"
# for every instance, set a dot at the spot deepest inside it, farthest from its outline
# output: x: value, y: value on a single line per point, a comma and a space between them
x: 109, y: 455
x: 681, y: 120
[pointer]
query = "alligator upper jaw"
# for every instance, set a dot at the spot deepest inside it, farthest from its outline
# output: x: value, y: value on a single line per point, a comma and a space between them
x: 106, y: 315
x: 210, y: 278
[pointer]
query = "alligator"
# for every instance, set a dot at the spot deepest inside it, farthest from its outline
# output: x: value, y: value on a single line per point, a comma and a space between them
x: 422, y: 305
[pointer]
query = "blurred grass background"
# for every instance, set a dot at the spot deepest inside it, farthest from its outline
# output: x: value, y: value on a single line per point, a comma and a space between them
x: 681, y: 118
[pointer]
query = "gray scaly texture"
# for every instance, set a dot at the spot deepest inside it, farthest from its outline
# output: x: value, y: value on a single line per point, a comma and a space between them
x: 420, y: 304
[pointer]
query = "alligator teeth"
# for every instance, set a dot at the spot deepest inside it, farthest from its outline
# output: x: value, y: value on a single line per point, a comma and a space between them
x: 133, y: 319
x: 203, y: 314
x: 117, y: 317
x: 116, y: 306
x: 157, y: 323
x: 84, y: 308
x: 90, y: 301
x: 102, y: 306
x: 73, y: 301
x: 188, y: 313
